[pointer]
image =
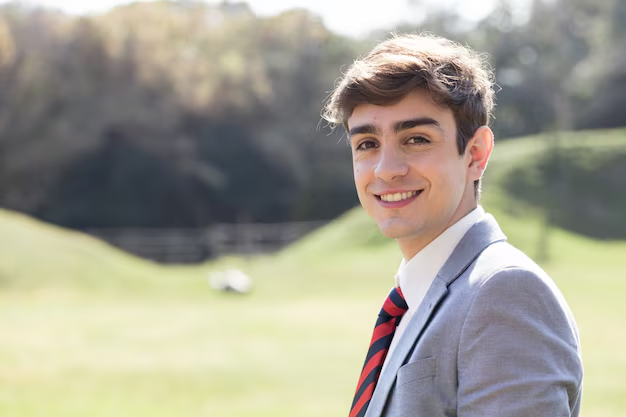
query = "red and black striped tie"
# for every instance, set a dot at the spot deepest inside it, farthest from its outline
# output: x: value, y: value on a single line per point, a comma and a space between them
x: 388, y: 318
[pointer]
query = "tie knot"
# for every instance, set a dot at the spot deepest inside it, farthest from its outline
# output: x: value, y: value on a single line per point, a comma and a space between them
x: 394, y: 305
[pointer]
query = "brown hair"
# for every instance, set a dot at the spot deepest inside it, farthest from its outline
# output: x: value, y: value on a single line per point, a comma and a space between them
x: 456, y: 76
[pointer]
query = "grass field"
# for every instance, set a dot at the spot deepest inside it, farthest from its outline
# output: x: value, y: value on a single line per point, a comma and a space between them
x: 86, y: 330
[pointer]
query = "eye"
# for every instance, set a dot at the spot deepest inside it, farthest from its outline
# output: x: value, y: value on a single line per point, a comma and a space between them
x: 417, y: 140
x: 366, y: 144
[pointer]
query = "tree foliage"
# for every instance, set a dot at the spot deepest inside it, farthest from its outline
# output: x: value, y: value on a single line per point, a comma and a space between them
x: 169, y: 114
x: 182, y: 113
x: 557, y: 62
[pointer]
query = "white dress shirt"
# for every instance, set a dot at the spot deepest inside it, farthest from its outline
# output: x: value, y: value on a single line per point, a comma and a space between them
x: 415, y: 276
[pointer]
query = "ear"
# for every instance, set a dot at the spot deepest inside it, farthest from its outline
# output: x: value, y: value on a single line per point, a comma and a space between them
x: 478, y: 151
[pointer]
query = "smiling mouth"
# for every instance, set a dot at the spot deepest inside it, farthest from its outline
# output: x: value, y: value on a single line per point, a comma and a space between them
x: 395, y: 197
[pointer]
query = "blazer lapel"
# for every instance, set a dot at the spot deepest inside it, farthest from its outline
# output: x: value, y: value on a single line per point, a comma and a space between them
x: 433, y: 296
x: 478, y: 238
x: 483, y: 234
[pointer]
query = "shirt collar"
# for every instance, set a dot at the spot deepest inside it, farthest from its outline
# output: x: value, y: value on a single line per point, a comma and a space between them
x: 415, y: 275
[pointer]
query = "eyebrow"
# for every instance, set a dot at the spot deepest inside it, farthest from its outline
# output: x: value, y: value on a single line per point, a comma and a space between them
x: 366, y: 129
x: 410, y: 124
x: 370, y: 128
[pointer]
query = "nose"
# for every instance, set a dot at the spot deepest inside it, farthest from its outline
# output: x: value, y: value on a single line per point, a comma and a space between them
x: 391, y: 164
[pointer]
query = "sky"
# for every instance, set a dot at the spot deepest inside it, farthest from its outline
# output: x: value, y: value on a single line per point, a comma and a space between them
x: 348, y: 17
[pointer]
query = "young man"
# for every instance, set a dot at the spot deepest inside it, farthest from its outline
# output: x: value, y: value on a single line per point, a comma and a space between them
x: 473, y: 327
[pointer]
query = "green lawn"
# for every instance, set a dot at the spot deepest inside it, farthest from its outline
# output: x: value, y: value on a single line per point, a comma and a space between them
x: 88, y: 331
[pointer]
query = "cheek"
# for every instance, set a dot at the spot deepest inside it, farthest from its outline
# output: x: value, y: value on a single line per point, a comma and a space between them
x: 360, y: 170
x: 455, y: 185
x: 359, y: 179
x: 357, y: 174
x: 446, y: 180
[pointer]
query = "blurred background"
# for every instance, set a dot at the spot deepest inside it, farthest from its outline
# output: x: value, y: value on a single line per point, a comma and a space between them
x: 179, y: 233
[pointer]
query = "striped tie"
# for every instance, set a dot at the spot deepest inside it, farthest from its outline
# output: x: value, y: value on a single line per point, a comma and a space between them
x: 388, y: 318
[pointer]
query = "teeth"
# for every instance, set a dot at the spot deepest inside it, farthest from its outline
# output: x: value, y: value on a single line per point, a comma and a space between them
x: 397, y: 196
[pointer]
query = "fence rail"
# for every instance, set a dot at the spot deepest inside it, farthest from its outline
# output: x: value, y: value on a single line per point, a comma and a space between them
x: 196, y: 245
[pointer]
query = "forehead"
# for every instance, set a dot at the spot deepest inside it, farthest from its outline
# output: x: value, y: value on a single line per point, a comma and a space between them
x: 416, y: 104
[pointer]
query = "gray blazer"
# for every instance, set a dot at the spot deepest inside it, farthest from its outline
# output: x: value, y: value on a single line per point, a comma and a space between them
x: 492, y: 338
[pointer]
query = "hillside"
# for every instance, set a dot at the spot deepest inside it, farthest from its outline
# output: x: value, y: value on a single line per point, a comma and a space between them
x: 140, y: 339
x: 41, y: 255
x: 37, y: 257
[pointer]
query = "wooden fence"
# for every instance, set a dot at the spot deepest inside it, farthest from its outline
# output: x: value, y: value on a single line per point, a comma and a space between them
x: 197, y: 245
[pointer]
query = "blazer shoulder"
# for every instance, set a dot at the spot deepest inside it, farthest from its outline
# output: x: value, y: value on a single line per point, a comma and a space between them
x: 505, y: 274
x: 502, y: 256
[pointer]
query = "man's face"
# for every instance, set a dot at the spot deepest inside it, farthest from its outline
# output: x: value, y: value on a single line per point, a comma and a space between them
x: 408, y: 172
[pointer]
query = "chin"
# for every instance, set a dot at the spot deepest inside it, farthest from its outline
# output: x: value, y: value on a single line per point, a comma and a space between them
x: 395, y: 231
x: 388, y: 234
